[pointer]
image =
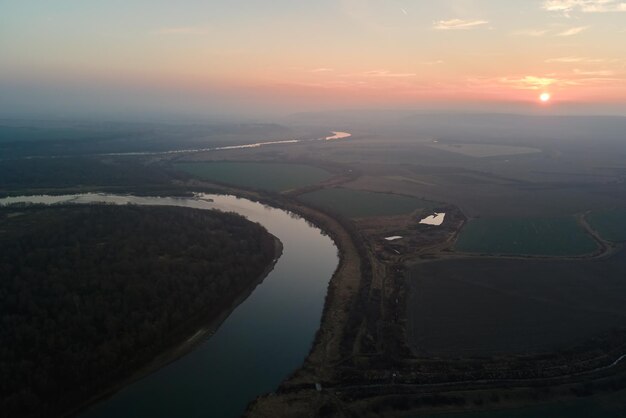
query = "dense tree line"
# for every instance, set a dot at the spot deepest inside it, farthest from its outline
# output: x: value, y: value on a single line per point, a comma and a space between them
x: 19, y: 139
x: 89, y: 294
x: 76, y: 172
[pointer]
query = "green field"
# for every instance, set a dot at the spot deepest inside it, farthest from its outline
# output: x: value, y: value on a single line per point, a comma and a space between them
x: 610, y: 224
x: 358, y: 204
x: 263, y: 176
x: 560, y: 236
x: 601, y: 406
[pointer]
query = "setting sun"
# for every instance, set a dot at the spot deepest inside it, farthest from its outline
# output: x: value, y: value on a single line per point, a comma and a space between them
x: 545, y: 97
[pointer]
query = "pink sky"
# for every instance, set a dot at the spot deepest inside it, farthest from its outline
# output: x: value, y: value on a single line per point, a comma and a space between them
x: 340, y: 53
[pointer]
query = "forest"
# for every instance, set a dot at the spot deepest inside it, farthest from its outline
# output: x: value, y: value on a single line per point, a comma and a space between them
x: 17, y: 176
x: 91, y: 294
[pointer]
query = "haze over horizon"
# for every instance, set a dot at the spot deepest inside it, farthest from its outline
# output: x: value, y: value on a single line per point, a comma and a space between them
x: 260, y: 59
x: 331, y: 208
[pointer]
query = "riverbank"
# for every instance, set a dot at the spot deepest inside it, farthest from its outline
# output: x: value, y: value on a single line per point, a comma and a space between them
x: 342, y: 306
x: 274, y: 327
x: 191, y: 341
x: 313, y: 287
x: 343, y: 288
x: 334, y: 352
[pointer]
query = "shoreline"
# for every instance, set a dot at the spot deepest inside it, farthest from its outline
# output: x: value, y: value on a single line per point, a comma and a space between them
x: 343, y: 289
x: 186, y: 346
x: 344, y: 285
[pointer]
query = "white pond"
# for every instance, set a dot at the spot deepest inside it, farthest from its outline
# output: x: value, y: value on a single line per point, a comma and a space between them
x: 436, y: 219
x: 394, y: 238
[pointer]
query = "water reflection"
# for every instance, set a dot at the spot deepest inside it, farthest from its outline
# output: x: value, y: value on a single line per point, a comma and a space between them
x: 260, y: 343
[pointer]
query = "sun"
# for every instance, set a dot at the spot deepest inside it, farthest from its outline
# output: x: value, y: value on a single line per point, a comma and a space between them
x: 545, y: 97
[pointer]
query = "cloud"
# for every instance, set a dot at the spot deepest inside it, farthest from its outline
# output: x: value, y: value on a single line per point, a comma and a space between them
x: 322, y: 70
x: 456, y: 24
x: 570, y: 60
x: 183, y: 30
x: 596, y: 73
x: 586, y: 6
x: 385, y: 73
x: 573, y: 31
x: 574, y: 78
x: 543, y: 32
x: 529, y: 82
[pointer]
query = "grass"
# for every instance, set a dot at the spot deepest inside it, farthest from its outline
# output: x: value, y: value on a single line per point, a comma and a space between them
x: 561, y: 236
x: 490, y: 306
x: 602, y: 406
x: 263, y: 176
x: 610, y: 224
x: 484, y: 150
x: 358, y: 204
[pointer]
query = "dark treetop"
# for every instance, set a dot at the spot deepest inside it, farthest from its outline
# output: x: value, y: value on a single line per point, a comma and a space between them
x: 90, y: 294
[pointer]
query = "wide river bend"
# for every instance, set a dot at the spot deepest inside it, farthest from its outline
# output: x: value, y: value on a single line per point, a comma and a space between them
x: 263, y: 340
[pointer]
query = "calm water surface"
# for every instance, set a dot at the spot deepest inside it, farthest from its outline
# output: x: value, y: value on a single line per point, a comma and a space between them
x: 260, y: 343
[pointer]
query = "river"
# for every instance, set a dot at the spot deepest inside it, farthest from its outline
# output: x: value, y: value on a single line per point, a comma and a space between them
x: 335, y: 135
x: 263, y: 340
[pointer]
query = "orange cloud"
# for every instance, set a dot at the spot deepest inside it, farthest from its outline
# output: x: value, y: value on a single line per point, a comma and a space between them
x: 456, y: 24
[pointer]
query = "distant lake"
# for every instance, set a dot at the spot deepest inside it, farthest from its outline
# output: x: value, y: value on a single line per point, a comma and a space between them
x: 266, y: 338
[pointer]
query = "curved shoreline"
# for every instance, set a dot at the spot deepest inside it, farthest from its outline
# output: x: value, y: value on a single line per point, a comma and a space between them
x: 184, y: 347
x: 343, y: 285
x: 185, y: 337
x: 326, y: 346
x: 297, y: 392
x: 327, y: 335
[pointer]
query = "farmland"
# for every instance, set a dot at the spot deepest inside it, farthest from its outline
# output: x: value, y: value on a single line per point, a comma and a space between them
x: 263, y: 176
x: 475, y: 307
x: 606, y: 406
x: 469, y: 313
x: 484, y: 150
x: 560, y: 236
x: 358, y: 203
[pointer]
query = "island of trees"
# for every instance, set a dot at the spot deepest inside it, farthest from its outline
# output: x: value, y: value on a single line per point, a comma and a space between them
x: 89, y: 295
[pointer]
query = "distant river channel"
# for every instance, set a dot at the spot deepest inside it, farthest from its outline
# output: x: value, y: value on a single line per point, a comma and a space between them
x: 262, y: 341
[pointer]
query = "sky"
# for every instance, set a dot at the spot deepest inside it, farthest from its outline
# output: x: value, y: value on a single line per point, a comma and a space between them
x: 270, y: 57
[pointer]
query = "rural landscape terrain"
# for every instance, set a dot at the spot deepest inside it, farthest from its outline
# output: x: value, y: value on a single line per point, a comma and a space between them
x: 313, y: 209
x: 473, y: 276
